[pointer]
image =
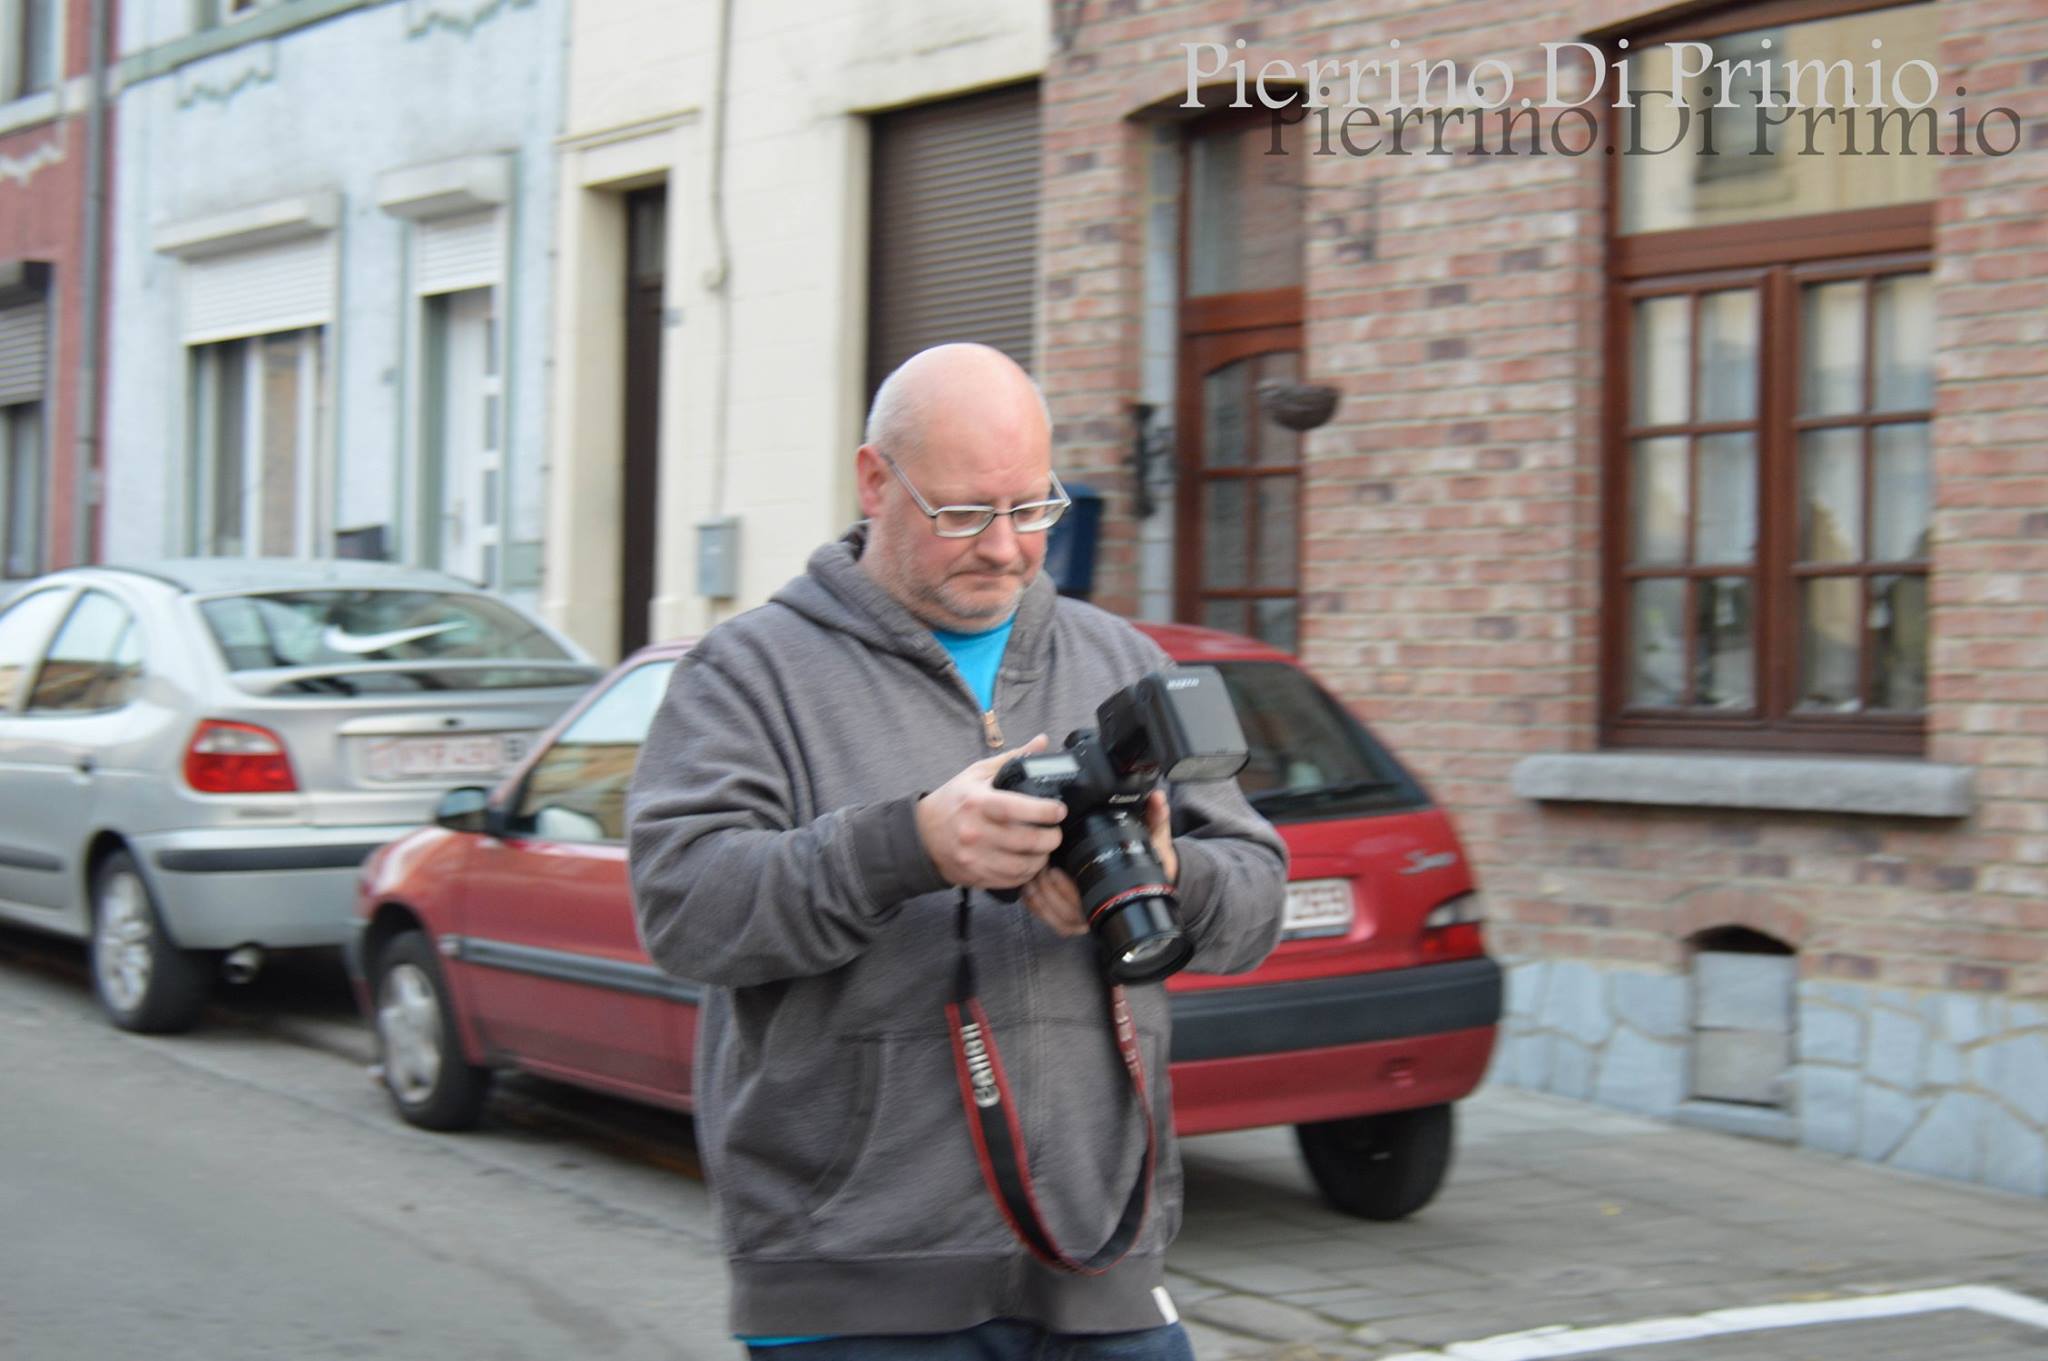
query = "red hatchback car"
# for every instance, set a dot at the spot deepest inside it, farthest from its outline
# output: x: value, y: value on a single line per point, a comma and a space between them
x: 503, y: 937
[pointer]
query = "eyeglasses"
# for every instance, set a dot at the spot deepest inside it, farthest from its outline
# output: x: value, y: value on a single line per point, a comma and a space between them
x: 964, y: 522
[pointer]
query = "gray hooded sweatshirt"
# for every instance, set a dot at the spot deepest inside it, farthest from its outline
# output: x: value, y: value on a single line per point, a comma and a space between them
x: 775, y: 857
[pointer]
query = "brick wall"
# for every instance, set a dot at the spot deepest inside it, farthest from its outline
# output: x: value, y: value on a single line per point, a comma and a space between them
x: 1451, y: 534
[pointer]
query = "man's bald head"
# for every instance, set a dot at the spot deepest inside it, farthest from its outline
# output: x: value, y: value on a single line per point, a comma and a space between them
x: 964, y: 425
x: 934, y: 387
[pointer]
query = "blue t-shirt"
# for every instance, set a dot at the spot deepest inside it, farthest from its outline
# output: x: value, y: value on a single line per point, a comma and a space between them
x: 978, y: 656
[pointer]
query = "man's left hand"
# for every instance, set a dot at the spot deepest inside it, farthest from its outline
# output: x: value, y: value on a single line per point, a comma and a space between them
x: 1054, y: 898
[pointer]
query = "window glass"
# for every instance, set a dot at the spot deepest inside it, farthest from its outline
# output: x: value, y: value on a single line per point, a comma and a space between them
x: 1245, y: 208
x: 25, y: 626
x: 1308, y: 756
x: 95, y: 660
x: 21, y: 490
x: 340, y: 628
x: 577, y: 789
x: 1810, y: 163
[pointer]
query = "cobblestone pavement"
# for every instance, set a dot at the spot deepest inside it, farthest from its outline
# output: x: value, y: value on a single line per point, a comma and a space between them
x: 1563, y: 1215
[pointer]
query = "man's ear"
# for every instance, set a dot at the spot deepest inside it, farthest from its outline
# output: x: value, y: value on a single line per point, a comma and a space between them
x: 869, y: 475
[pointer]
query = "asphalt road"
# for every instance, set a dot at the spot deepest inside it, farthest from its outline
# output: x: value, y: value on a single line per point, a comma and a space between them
x: 228, y: 1194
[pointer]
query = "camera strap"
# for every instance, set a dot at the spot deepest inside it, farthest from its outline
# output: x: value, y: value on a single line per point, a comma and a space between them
x: 999, y: 1138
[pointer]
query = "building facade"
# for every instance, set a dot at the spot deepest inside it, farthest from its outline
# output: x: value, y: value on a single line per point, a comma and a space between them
x: 732, y: 178
x: 332, y: 251
x: 1681, y: 513
x: 48, y: 346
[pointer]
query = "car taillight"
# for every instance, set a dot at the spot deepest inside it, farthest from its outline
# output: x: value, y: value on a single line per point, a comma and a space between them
x: 237, y: 758
x: 1453, y: 930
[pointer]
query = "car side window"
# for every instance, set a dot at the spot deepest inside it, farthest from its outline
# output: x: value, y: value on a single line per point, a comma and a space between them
x: 94, y: 663
x: 24, y: 627
x: 576, y: 790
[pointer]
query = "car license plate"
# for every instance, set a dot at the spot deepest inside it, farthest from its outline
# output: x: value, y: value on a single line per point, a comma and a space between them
x: 1317, y: 907
x: 440, y: 758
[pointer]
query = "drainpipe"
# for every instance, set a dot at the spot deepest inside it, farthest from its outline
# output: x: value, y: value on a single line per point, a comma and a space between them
x: 85, y: 460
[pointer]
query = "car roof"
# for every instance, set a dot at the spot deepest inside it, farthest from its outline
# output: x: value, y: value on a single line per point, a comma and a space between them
x: 1191, y: 643
x: 208, y: 576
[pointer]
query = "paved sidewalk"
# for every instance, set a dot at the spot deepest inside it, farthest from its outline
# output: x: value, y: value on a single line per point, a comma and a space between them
x: 1562, y: 1215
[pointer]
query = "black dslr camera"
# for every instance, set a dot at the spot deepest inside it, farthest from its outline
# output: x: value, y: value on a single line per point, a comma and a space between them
x: 1178, y: 724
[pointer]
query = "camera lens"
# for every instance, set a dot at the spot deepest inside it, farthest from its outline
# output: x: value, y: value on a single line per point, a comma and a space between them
x: 1125, y: 897
x: 1144, y: 954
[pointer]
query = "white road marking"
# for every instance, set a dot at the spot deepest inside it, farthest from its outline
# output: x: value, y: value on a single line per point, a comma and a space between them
x: 1541, y: 1344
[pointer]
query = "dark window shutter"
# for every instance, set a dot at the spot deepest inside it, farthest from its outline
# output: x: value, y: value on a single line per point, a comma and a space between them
x: 24, y: 332
x: 953, y: 243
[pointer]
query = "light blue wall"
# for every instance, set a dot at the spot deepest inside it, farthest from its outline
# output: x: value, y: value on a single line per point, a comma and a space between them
x: 325, y: 105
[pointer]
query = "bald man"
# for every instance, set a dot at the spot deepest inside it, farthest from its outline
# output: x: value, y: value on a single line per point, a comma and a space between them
x: 815, y: 837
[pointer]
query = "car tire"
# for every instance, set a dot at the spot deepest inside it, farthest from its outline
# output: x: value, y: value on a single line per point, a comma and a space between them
x: 1382, y: 1167
x: 430, y: 1081
x: 144, y: 982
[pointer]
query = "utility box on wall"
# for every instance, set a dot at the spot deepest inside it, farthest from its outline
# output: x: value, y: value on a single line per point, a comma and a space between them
x: 1070, y: 547
x: 718, y: 557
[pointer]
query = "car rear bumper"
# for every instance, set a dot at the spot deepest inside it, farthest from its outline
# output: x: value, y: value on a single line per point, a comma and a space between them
x: 1322, y: 1049
x: 279, y: 887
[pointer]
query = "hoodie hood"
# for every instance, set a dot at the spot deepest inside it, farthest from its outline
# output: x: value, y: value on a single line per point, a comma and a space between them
x: 834, y: 592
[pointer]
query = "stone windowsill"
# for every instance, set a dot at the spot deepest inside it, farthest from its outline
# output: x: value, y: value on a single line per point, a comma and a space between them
x: 1879, y: 787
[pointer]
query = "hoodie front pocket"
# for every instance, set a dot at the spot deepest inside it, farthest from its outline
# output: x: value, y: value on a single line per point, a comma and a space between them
x: 913, y: 1185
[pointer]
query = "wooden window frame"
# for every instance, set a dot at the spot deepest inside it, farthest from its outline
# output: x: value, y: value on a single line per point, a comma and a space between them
x: 1777, y: 257
x: 1225, y: 328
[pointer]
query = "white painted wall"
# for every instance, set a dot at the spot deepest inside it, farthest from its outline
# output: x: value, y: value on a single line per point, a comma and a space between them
x: 330, y: 106
x: 780, y: 341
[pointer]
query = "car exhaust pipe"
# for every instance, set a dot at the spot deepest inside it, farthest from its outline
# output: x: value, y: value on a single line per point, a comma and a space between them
x: 243, y: 963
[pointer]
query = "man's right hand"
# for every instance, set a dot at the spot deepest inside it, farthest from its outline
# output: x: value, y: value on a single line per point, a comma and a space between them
x: 983, y: 837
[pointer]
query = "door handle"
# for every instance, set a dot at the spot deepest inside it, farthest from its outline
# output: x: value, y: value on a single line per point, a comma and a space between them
x: 87, y: 765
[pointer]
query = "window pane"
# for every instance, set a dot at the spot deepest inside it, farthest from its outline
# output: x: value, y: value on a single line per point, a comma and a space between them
x: 1657, y: 644
x: 88, y: 667
x: 1831, y: 349
x: 1657, y: 501
x: 24, y: 628
x: 1831, y: 496
x: 577, y: 791
x: 1245, y: 210
x: 1223, y: 416
x: 1724, y: 646
x: 1728, y: 355
x: 1228, y: 615
x: 1274, y: 621
x: 1726, y: 527
x: 1223, y: 533
x: 281, y: 428
x: 39, y: 20
x: 1905, y: 344
x: 1904, y: 472
x: 1278, y: 444
x: 21, y: 494
x: 1816, y: 165
x: 1277, y: 511
x: 1898, y: 635
x: 1661, y: 372
x: 229, y: 369
x: 1829, y: 618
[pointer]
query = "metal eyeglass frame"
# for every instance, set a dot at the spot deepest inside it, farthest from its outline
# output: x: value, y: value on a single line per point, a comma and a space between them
x: 988, y: 513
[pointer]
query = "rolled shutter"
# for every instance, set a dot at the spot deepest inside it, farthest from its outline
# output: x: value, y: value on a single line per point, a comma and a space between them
x: 24, y: 340
x: 953, y: 243
x: 281, y: 287
x: 454, y: 253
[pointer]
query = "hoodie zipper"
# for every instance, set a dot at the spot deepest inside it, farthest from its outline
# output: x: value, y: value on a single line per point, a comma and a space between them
x: 991, y: 730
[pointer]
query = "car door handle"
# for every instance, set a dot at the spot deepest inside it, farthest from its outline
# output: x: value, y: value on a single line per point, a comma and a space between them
x: 86, y: 765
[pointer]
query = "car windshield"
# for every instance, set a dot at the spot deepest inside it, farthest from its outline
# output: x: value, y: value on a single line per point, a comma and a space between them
x: 366, y: 628
x: 1309, y: 757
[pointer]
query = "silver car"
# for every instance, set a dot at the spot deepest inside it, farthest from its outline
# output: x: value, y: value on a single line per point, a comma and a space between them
x: 196, y: 755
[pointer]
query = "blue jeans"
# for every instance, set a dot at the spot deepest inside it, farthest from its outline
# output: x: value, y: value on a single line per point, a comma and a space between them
x: 997, y: 1340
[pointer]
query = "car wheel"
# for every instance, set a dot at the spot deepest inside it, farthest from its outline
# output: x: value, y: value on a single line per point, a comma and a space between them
x: 429, y: 1080
x: 144, y: 981
x: 1379, y: 1166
